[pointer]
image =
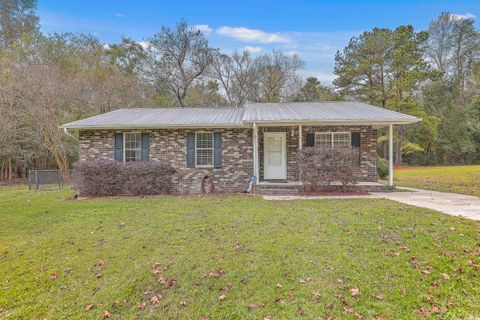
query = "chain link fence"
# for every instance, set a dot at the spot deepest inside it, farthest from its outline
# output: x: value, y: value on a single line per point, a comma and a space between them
x: 41, y: 178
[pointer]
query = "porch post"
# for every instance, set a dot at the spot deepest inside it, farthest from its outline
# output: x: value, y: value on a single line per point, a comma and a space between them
x: 300, y: 137
x: 390, y: 154
x: 255, y: 153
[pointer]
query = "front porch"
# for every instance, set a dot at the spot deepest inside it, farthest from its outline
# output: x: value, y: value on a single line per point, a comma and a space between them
x: 275, y: 154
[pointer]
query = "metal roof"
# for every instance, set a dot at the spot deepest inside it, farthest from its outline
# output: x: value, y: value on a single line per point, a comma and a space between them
x: 335, y: 112
x: 331, y: 111
x: 163, y: 117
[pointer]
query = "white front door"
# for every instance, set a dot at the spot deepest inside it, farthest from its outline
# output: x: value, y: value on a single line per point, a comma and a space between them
x: 275, y: 154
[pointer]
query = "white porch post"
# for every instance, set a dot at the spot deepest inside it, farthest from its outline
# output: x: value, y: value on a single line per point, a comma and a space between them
x: 390, y: 154
x: 255, y: 153
x: 300, y: 137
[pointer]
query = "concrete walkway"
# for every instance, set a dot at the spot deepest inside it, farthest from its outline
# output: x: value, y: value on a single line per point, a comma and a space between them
x: 450, y: 203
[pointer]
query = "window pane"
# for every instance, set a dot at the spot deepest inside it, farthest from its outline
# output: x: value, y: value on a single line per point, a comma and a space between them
x: 341, y: 140
x: 204, y: 157
x: 133, y: 146
x: 323, y: 140
x: 204, y: 140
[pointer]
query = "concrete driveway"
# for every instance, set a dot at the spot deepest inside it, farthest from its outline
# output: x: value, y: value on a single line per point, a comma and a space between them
x: 450, y: 203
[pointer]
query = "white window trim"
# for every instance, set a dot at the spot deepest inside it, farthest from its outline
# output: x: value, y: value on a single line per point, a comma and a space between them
x: 331, y: 137
x: 124, y: 149
x: 213, y: 150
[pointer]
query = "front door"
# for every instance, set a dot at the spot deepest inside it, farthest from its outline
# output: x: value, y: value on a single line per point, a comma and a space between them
x: 275, y: 154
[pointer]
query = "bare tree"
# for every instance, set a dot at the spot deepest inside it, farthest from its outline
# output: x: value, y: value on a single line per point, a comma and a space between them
x: 277, y: 77
x: 177, y: 58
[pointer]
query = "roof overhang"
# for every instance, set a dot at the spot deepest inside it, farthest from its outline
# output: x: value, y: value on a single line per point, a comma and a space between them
x: 133, y: 127
x: 247, y: 124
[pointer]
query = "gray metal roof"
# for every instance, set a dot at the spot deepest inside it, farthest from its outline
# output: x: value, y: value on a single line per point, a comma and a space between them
x: 331, y: 111
x: 339, y: 112
x: 163, y: 117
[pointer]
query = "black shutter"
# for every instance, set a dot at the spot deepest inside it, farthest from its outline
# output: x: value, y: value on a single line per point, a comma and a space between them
x: 119, y: 147
x: 191, y: 150
x: 217, y: 150
x: 355, y: 139
x: 145, y: 147
x: 310, y: 139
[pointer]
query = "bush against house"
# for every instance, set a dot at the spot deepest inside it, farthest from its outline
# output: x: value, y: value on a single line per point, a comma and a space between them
x: 321, y: 167
x: 110, y: 178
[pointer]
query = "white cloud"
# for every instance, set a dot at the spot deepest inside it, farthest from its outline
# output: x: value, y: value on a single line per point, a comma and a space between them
x: 119, y: 15
x: 144, y: 44
x: 460, y: 16
x: 254, y: 35
x: 293, y: 52
x: 252, y: 49
x: 205, y: 28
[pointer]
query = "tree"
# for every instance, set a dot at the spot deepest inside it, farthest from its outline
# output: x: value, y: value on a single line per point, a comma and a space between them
x: 313, y: 90
x: 362, y: 67
x: 127, y: 55
x: 236, y: 74
x: 177, y: 58
x: 17, y: 19
x: 276, y: 76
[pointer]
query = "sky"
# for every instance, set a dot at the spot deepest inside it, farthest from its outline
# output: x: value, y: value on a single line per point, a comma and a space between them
x: 314, y: 30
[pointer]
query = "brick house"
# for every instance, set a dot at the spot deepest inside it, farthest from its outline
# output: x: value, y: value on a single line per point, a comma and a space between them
x: 232, y: 145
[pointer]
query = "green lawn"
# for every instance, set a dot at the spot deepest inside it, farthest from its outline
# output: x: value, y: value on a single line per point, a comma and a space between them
x: 283, y: 260
x: 458, y: 179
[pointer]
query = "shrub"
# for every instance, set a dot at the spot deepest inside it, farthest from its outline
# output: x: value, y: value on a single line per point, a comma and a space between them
x: 319, y: 168
x: 382, y: 167
x: 110, y: 178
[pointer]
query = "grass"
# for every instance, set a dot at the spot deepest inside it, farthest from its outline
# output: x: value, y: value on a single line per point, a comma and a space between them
x: 282, y: 260
x: 457, y: 179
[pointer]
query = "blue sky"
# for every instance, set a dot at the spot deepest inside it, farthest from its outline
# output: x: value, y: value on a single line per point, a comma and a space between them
x: 313, y: 29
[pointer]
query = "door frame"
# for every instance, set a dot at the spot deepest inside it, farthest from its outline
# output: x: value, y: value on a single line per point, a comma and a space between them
x: 284, y: 152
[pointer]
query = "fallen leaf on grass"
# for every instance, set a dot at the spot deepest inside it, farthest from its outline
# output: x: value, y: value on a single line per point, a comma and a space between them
x: 279, y: 285
x: 221, y: 298
x: 347, y: 310
x: 101, y: 263
x: 445, y: 276
x: 53, y: 277
x: 155, y: 299
x: 226, y: 288
x: 449, y: 304
x: 183, y: 303
x: 436, y: 309
x: 451, y: 229
x: 238, y: 246
x: 215, y: 274
x: 89, y: 307
x: 106, y: 314
x: 316, y: 293
x: 142, y: 306
x: 378, y: 297
x: 304, y: 281
x: 424, y: 312
x: 355, y: 292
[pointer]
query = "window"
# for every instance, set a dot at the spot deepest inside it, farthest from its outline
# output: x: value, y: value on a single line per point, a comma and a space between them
x: 204, y: 149
x: 332, y: 140
x: 323, y: 140
x: 132, y: 146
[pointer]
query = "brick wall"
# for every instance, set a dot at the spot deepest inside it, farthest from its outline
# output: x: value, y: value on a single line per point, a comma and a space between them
x: 368, y: 151
x: 169, y: 146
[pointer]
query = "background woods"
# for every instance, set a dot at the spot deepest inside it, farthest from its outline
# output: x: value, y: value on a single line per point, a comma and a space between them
x: 50, y: 79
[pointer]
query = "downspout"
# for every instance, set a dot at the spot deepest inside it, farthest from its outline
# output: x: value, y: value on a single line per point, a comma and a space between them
x: 69, y: 134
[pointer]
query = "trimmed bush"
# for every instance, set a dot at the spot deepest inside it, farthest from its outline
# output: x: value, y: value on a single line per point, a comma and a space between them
x: 110, y: 178
x: 319, y: 168
x: 382, y: 168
